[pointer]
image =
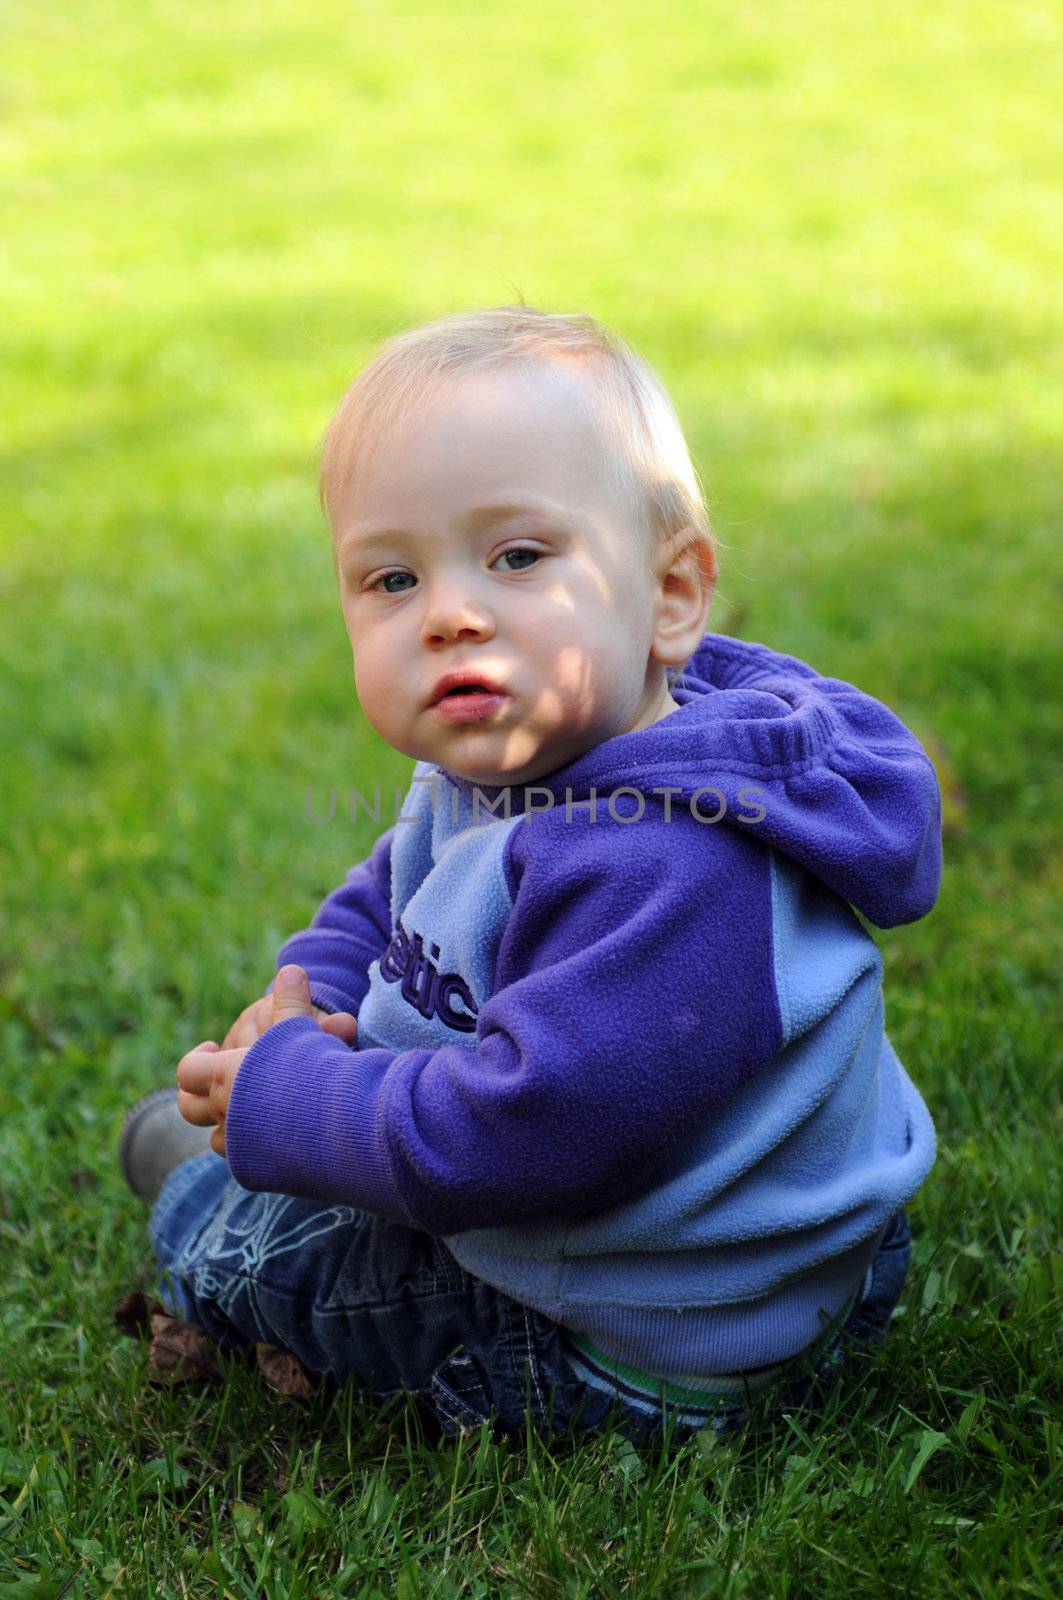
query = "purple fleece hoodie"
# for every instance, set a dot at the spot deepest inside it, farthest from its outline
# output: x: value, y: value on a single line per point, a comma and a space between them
x: 623, y: 1048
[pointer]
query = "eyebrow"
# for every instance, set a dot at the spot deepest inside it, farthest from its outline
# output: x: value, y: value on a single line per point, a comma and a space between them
x: 476, y: 518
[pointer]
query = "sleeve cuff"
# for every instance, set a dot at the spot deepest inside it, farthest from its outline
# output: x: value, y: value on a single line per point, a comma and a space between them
x: 302, y: 1120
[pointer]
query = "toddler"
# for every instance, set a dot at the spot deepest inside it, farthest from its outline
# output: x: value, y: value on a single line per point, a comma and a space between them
x: 574, y: 1101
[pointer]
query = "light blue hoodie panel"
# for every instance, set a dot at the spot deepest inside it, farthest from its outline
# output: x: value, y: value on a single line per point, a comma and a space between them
x: 764, y: 1220
x: 449, y: 889
x: 769, y: 1215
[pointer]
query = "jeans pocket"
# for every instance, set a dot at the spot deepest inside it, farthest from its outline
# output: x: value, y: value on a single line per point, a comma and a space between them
x: 458, y: 1395
x: 520, y: 1378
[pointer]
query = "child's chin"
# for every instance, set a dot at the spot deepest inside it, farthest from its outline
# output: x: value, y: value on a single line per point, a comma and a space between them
x: 490, y: 777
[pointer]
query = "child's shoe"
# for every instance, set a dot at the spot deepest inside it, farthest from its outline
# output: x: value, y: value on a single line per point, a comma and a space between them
x: 155, y: 1138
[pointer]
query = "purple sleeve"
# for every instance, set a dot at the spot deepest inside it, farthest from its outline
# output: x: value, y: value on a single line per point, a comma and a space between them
x: 350, y: 929
x: 614, y: 1026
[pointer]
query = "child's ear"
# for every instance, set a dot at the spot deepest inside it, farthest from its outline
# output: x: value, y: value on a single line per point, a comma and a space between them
x: 686, y: 579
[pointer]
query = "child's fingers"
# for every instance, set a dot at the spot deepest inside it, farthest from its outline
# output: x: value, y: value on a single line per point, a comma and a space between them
x: 253, y: 1020
x: 194, y: 1071
x: 204, y: 1084
x: 291, y: 994
x: 197, y: 1069
x: 195, y: 1108
x: 341, y: 1025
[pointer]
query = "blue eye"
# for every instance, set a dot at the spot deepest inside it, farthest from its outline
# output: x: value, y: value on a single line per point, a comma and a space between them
x: 526, y: 558
x: 520, y: 550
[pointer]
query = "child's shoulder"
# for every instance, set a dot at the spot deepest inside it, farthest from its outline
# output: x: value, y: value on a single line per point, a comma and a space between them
x: 649, y: 834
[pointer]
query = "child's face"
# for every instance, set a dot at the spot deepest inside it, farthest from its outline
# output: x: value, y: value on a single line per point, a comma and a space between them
x: 499, y: 462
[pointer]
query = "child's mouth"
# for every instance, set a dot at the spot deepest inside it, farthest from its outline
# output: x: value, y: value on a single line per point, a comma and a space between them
x: 468, y: 703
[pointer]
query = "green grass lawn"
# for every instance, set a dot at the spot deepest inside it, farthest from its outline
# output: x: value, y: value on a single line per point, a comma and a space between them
x: 837, y: 231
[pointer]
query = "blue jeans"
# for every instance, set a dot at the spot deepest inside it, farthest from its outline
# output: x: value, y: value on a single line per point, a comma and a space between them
x: 355, y: 1295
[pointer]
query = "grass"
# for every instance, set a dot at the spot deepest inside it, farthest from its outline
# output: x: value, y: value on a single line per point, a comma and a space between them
x: 838, y: 234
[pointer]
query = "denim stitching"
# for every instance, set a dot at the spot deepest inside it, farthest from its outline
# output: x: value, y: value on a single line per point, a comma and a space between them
x: 532, y: 1361
x: 450, y: 1408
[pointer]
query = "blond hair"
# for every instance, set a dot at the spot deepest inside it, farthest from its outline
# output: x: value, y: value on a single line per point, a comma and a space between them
x: 627, y: 396
x: 623, y: 396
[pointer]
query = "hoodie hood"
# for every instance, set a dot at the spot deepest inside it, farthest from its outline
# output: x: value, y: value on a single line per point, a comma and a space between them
x: 845, y: 789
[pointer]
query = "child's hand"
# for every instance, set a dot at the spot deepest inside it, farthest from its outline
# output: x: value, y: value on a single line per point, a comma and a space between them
x: 258, y: 1016
x: 205, y: 1076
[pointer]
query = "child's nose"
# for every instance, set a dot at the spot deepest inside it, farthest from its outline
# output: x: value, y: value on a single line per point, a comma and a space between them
x: 453, y: 613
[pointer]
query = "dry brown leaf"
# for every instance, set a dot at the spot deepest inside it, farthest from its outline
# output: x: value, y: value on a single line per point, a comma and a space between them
x: 284, y: 1371
x: 133, y: 1314
x: 179, y: 1352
